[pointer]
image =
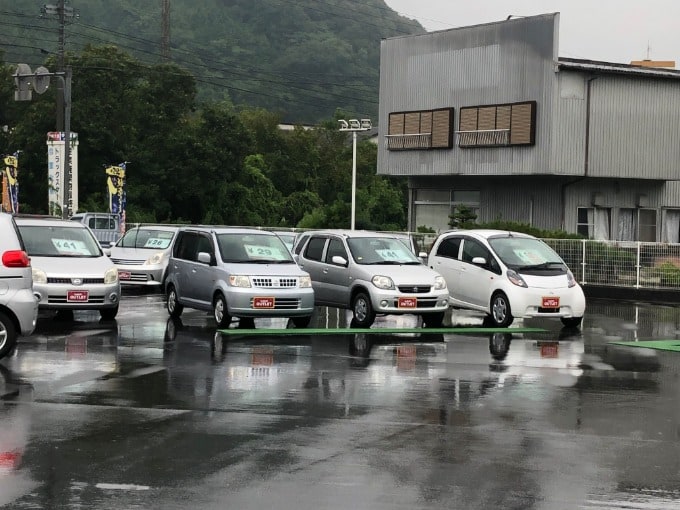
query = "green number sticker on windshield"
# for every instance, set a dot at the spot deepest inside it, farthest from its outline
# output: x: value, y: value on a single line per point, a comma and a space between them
x: 157, y: 243
x: 392, y: 255
x: 255, y: 251
x: 529, y: 257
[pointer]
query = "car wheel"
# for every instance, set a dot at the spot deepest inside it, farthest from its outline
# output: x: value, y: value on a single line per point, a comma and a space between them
x: 108, y: 314
x: 174, y: 308
x: 221, y: 312
x: 8, y: 335
x: 433, y: 320
x: 302, y: 322
x: 572, y: 322
x: 363, y: 311
x: 501, y: 314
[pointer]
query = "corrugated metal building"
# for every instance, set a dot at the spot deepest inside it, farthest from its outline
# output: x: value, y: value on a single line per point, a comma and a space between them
x: 490, y: 117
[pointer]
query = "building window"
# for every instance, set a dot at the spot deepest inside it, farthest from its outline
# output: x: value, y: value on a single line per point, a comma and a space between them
x: 647, y: 222
x: 432, y: 208
x: 426, y: 129
x: 499, y: 125
x: 670, y: 226
x: 594, y: 222
x: 585, y: 222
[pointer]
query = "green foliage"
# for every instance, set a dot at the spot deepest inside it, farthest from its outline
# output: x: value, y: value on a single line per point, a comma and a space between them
x: 462, y: 217
x: 423, y: 229
x: 668, y: 274
x: 527, y: 229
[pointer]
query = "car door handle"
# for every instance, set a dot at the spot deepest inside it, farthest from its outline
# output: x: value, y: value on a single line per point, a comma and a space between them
x: 325, y: 271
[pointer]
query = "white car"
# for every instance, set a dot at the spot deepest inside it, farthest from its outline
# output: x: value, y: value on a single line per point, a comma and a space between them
x: 142, y: 255
x: 506, y: 275
x: 18, y: 305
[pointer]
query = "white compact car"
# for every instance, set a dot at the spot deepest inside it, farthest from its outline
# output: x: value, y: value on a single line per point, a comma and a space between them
x: 507, y: 275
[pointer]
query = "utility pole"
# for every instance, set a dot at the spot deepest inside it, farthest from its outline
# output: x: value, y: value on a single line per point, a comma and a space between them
x: 165, y: 30
x: 62, y: 12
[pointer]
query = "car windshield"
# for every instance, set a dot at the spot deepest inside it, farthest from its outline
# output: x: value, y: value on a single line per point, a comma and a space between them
x: 146, y: 238
x: 253, y: 248
x: 380, y: 250
x: 526, y: 253
x: 59, y: 241
x: 288, y: 239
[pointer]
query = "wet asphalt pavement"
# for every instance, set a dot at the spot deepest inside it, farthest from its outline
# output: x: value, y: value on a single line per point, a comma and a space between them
x: 148, y: 413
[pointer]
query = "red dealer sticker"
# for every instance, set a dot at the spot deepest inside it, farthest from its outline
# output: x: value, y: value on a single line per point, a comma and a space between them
x: 124, y: 275
x: 550, y: 302
x: 407, y: 302
x: 263, y: 302
x: 77, y: 296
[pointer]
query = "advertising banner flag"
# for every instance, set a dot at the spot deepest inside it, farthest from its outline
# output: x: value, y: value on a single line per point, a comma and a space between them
x: 10, y: 184
x: 115, y: 180
x: 55, y: 172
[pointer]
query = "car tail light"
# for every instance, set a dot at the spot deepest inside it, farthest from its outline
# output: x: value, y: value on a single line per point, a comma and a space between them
x: 15, y: 258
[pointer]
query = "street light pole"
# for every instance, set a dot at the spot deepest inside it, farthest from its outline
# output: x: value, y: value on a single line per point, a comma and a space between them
x: 354, y: 125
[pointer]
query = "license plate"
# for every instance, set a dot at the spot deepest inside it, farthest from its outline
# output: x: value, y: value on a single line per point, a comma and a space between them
x: 77, y: 296
x: 124, y: 275
x: 263, y: 302
x: 550, y: 302
x: 407, y: 302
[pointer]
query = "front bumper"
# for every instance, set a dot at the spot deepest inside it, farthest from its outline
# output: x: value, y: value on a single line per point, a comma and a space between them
x: 388, y: 301
x: 286, y: 302
x: 61, y: 296
x: 141, y: 275
x: 528, y: 303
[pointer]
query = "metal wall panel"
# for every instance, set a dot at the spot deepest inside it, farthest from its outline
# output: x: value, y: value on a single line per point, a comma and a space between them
x: 635, y: 128
x: 496, y: 63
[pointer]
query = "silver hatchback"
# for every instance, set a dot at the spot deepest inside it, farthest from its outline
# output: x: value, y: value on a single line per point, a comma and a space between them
x: 70, y: 271
x: 237, y: 272
x: 18, y: 305
x: 372, y: 273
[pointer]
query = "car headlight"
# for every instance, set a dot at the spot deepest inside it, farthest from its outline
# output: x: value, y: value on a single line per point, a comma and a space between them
x: 154, y: 259
x: 305, y: 282
x: 571, y: 281
x: 39, y: 276
x: 239, y: 280
x: 439, y: 283
x: 516, y: 279
x: 111, y: 275
x: 383, y: 282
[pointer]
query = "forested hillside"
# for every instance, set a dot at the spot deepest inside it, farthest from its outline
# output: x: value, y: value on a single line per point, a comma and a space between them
x: 301, y: 59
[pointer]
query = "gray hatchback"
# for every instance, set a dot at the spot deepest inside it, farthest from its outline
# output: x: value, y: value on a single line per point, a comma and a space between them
x: 237, y: 272
x: 372, y: 273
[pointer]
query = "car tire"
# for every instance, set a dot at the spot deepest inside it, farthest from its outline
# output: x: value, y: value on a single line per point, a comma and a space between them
x: 8, y: 335
x: 362, y: 310
x: 571, y: 322
x: 501, y: 313
x: 433, y: 320
x: 302, y: 322
x: 108, y: 314
x: 174, y: 308
x: 220, y: 311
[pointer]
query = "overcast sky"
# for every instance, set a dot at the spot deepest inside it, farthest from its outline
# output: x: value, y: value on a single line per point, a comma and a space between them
x: 608, y: 30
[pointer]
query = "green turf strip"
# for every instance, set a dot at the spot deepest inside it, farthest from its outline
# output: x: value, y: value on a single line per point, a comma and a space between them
x: 375, y: 331
x: 661, y: 345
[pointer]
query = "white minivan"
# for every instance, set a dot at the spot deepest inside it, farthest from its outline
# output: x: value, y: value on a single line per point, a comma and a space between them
x: 18, y: 305
x: 506, y: 275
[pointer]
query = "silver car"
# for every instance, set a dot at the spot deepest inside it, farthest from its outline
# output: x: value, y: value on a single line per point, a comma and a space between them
x: 18, y: 305
x: 372, y: 273
x: 70, y: 271
x: 237, y: 272
x: 142, y: 255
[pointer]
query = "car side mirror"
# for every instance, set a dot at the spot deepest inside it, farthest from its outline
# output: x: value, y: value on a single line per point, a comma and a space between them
x: 107, y: 251
x: 339, y: 261
x: 479, y: 261
x: 204, y: 257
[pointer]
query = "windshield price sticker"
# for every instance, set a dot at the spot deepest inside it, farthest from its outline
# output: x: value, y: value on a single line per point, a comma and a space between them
x: 530, y: 257
x: 263, y: 302
x: 70, y: 246
x: 255, y: 251
x: 392, y: 255
x: 407, y: 302
x: 157, y: 243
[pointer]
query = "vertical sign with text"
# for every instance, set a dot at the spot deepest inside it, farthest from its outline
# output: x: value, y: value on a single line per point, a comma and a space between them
x: 56, y: 166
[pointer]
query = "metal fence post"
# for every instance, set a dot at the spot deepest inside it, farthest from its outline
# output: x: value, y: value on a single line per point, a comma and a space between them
x: 637, y: 267
x: 583, y: 261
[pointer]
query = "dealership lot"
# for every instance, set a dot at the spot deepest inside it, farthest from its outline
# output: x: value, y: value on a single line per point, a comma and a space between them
x: 150, y: 412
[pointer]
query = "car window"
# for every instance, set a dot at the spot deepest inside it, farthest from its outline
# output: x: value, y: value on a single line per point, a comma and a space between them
x: 146, y: 239
x: 248, y: 248
x: 314, y: 249
x: 59, y: 241
x: 518, y: 252
x: 187, y: 243
x: 449, y: 247
x: 204, y: 244
x: 472, y: 249
x: 300, y: 242
x: 380, y: 250
x: 335, y: 247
